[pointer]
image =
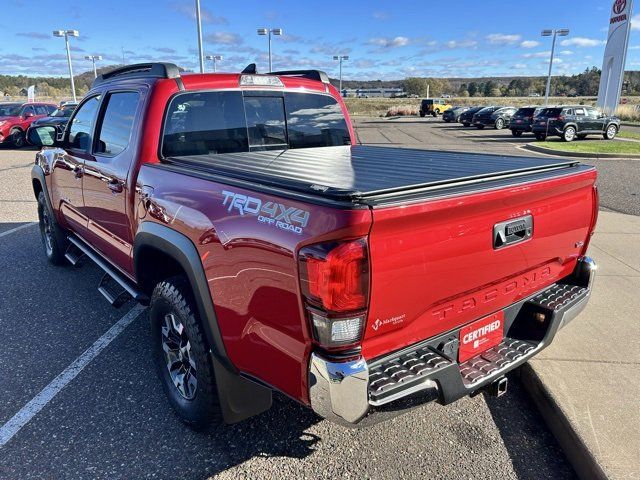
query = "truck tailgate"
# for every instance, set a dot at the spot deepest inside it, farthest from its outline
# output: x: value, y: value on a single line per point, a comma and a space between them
x: 435, y: 264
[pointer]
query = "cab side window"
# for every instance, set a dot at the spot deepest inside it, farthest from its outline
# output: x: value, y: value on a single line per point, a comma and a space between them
x: 26, y: 111
x: 81, y: 127
x: 117, y: 123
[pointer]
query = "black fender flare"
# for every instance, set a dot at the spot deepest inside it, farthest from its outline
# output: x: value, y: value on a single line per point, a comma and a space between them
x: 240, y: 397
x: 37, y: 173
x: 182, y: 250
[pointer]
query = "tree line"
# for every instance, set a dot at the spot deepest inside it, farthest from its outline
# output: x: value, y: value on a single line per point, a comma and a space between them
x: 584, y: 84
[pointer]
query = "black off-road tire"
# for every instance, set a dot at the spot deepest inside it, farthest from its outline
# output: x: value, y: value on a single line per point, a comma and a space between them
x: 422, y: 114
x: 516, y: 133
x: 466, y: 125
x: 17, y: 138
x: 540, y: 136
x: 53, y: 237
x: 480, y: 127
x: 173, y: 297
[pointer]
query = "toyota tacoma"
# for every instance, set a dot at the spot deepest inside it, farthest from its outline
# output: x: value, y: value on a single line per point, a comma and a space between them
x: 276, y: 254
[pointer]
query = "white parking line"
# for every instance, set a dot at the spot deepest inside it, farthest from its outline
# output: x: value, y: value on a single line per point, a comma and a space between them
x: 9, y: 232
x: 37, y: 403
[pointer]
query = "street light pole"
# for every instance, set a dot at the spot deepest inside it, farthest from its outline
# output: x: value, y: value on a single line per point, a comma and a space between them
x: 93, y: 59
x: 340, y: 58
x: 200, y: 50
x: 563, y: 32
x: 215, y: 59
x: 268, y: 32
x: 66, y: 34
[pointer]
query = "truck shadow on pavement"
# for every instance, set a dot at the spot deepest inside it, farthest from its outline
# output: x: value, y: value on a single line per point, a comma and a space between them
x: 523, y: 430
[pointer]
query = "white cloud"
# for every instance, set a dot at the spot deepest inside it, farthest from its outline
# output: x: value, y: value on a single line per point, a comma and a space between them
x: 380, y: 15
x: 225, y: 38
x: 384, y: 42
x: 537, y: 55
x: 451, y: 44
x: 529, y: 44
x: 503, y: 39
x: 565, y: 52
x: 635, y: 22
x: 581, y: 42
x: 520, y: 66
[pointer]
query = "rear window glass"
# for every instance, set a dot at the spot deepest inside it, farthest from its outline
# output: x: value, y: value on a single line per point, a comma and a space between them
x: 265, y: 122
x: 526, y: 111
x: 202, y: 123
x: 550, y: 112
x: 315, y: 121
x: 226, y: 122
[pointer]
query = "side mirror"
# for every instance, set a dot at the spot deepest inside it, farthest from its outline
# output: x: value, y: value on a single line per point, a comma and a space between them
x: 43, y: 136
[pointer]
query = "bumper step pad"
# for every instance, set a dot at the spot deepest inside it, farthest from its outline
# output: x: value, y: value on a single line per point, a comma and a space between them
x: 508, y: 351
x: 401, y: 374
x: 559, y: 296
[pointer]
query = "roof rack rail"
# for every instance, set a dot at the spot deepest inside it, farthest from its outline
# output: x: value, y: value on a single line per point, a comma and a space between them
x: 318, y: 75
x: 140, y: 70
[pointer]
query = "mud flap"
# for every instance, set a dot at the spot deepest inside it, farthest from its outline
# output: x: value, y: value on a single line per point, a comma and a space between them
x: 239, y: 397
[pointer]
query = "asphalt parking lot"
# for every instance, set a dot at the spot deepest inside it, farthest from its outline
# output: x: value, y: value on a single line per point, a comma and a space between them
x: 110, y: 419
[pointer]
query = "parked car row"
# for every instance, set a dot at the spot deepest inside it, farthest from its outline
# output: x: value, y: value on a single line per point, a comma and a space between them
x: 568, y: 122
x: 16, y: 118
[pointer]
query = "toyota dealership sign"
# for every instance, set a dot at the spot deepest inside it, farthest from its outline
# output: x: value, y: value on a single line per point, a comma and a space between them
x: 615, y: 55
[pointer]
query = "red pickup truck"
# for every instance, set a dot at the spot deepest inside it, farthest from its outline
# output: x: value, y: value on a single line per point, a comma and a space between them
x: 277, y: 254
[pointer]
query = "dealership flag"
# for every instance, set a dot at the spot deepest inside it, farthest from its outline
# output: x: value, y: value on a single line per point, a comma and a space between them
x: 615, y: 55
x: 31, y: 93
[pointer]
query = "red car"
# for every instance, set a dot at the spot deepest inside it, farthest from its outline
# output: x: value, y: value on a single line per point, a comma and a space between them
x: 15, y: 119
x: 276, y: 254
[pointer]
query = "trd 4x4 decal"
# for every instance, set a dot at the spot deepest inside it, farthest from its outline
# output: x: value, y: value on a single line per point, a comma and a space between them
x: 272, y: 213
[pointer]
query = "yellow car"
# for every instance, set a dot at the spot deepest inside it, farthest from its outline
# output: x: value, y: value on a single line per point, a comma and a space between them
x: 434, y: 106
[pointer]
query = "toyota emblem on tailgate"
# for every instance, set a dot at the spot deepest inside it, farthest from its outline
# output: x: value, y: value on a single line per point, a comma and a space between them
x: 512, y: 231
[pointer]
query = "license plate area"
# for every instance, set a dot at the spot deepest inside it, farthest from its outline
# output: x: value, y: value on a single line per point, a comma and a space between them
x: 480, y: 336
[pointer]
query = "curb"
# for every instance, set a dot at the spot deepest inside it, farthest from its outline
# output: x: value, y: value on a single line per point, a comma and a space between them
x: 561, y: 153
x: 581, y: 458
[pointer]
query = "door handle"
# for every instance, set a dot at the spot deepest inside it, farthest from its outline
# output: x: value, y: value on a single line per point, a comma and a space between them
x: 115, y: 186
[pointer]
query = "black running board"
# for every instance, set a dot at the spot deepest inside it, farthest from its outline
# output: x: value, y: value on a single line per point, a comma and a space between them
x: 110, y: 271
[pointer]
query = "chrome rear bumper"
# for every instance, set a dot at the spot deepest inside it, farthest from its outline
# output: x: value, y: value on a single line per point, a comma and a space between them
x: 347, y: 392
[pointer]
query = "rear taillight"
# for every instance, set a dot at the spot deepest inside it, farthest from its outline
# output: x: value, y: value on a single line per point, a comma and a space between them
x: 334, y: 279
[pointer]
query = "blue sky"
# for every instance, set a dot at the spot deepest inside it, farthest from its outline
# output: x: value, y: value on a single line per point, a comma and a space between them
x: 385, y: 40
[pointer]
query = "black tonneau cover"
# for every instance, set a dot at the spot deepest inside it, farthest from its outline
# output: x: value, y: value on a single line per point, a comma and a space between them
x: 360, y: 172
